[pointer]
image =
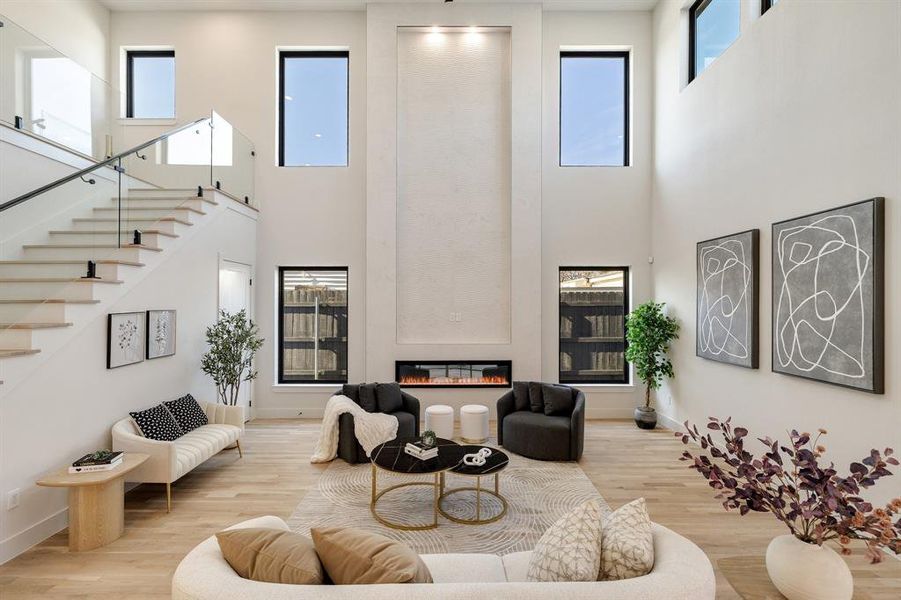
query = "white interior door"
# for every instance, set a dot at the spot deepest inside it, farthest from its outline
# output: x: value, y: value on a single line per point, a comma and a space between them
x: 235, y: 280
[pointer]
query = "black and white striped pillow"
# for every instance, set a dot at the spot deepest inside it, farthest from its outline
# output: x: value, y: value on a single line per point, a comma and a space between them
x: 157, y: 423
x: 187, y: 413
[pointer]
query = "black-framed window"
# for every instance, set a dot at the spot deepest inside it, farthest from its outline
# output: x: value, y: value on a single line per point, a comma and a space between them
x: 594, y: 302
x: 594, y: 109
x: 766, y: 5
x: 313, y: 87
x: 312, y: 325
x: 150, y: 84
x: 712, y: 27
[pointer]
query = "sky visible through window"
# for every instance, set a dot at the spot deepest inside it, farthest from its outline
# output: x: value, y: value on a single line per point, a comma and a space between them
x: 592, y: 111
x: 315, y: 111
x: 716, y: 28
x: 153, y: 87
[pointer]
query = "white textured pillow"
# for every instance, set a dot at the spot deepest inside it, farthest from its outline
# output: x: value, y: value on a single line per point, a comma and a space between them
x: 570, y: 550
x: 627, y: 544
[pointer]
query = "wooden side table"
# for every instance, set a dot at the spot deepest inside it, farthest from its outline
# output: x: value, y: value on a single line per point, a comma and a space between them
x: 96, y: 502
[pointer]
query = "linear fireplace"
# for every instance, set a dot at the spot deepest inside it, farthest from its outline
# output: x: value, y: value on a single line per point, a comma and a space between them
x: 453, y: 373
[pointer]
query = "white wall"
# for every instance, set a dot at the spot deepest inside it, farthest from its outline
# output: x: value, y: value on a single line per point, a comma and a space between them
x: 77, y: 28
x: 800, y: 114
x: 595, y: 216
x: 68, y: 407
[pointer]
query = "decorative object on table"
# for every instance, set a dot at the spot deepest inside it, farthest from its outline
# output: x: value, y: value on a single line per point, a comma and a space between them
x: 477, y: 459
x: 811, y: 499
x: 101, y: 460
x: 428, y: 439
x: 727, y: 299
x: 418, y: 449
x: 649, y: 333
x: 828, y: 296
x: 160, y: 333
x: 234, y: 340
x: 125, y: 339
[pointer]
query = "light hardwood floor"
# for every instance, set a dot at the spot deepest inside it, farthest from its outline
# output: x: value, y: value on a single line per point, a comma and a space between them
x: 622, y: 461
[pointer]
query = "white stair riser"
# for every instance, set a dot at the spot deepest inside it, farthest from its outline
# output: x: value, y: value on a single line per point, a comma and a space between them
x: 50, y: 289
x: 64, y: 253
x: 132, y: 204
x: 147, y: 239
x: 128, y: 227
x: 49, y: 312
x: 105, y: 271
x: 138, y: 213
x: 18, y: 339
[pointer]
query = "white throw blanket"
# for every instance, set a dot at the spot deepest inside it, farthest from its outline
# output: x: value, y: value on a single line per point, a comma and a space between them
x: 371, y: 429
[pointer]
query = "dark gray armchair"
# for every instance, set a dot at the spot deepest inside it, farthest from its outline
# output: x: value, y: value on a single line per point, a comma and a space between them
x: 542, y: 421
x: 376, y: 397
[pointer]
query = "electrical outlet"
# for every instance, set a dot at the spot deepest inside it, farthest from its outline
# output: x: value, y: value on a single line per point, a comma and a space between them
x: 12, y: 499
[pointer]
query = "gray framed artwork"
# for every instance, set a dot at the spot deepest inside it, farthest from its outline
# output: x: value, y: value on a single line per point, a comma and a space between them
x: 160, y: 333
x: 124, y: 339
x: 727, y: 327
x: 828, y: 296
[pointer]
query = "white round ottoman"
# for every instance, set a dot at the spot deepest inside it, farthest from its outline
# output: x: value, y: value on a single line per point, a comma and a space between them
x: 474, y: 423
x: 440, y: 419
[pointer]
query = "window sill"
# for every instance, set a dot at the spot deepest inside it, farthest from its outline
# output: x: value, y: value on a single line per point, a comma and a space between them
x: 304, y: 388
x: 604, y: 388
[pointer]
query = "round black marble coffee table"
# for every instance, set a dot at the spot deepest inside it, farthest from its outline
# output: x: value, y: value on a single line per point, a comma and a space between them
x: 494, y: 464
x: 390, y: 456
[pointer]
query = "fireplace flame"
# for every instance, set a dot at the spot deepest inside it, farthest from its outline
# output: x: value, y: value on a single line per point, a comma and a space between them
x: 484, y: 380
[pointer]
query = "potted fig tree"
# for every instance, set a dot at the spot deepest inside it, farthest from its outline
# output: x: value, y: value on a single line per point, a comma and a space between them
x: 234, y: 340
x: 648, y: 335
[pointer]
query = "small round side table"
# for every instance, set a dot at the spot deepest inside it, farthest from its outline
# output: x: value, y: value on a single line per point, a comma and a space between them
x: 494, y: 464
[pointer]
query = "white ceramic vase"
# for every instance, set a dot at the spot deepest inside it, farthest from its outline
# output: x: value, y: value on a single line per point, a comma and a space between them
x: 804, y: 571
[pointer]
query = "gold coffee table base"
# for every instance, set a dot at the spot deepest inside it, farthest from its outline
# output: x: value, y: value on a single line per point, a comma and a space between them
x: 402, y: 526
x: 479, y: 491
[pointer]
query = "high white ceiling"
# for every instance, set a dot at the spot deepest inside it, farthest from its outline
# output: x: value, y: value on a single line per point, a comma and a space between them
x: 200, y: 5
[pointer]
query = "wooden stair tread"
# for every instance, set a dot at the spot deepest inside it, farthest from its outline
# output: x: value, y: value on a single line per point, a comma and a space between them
x: 33, y: 325
x: 47, y: 301
x: 188, y: 208
x: 111, y: 231
x: 6, y: 353
x: 132, y: 220
x: 169, y: 198
x: 142, y: 247
x: 57, y: 280
x: 129, y: 263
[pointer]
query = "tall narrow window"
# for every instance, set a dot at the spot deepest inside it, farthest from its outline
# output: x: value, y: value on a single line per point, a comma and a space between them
x: 312, y: 118
x: 712, y: 27
x: 593, y: 306
x: 594, y: 109
x: 312, y: 333
x: 150, y: 84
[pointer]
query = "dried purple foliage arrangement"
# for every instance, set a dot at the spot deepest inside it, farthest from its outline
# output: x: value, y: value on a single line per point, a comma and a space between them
x: 814, y: 502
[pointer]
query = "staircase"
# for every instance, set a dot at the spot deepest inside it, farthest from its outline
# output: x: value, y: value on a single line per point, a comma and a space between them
x: 44, y: 288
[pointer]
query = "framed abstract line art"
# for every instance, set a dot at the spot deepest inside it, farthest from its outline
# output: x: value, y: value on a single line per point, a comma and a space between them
x: 828, y: 296
x: 160, y: 333
x: 124, y: 339
x: 727, y: 327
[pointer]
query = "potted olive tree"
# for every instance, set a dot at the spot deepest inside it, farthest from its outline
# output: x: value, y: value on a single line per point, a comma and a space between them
x: 233, y: 342
x: 649, y: 333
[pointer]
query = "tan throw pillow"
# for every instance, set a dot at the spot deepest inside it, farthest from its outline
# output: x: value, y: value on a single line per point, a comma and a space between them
x: 570, y: 550
x: 271, y: 555
x: 627, y: 544
x: 354, y: 556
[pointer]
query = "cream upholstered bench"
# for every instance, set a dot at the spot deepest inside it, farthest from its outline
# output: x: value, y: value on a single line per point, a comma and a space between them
x: 681, y: 572
x: 474, y: 423
x: 169, y: 461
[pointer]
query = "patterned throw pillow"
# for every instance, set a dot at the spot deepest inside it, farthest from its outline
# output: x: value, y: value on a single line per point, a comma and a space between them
x: 157, y: 423
x: 570, y: 550
x: 627, y: 544
x: 187, y: 413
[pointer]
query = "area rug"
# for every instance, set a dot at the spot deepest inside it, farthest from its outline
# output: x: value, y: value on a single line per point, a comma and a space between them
x: 537, y: 492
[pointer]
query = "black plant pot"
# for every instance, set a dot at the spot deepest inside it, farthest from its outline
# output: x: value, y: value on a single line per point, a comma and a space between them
x: 645, y: 418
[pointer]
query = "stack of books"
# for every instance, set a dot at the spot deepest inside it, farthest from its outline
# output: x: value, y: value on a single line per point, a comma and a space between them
x: 97, y: 461
x: 417, y: 450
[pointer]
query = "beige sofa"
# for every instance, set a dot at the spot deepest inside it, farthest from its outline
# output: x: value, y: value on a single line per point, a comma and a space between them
x: 681, y: 572
x: 170, y: 460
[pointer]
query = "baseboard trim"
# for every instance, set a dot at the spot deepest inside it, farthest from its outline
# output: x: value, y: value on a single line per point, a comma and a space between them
x: 15, y: 545
x: 288, y: 413
x: 669, y: 422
